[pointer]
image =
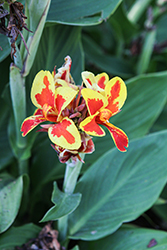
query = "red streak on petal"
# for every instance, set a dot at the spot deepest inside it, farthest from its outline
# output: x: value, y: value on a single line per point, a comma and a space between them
x: 30, y: 124
x: 101, y: 82
x: 89, y: 81
x: 59, y: 102
x: 120, y: 138
x: 60, y: 129
x: 92, y: 126
x: 114, y: 93
x: 46, y: 96
x: 94, y: 105
x: 63, y: 76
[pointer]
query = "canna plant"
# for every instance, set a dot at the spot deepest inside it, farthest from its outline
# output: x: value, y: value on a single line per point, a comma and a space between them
x: 77, y: 188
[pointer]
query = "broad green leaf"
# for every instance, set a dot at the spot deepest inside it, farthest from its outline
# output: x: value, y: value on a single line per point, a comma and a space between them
x: 109, y: 64
x: 161, y: 122
x: 16, y: 236
x: 10, y: 198
x: 64, y: 204
x: 146, y: 98
x: 130, y: 238
x: 80, y: 12
x: 119, y: 187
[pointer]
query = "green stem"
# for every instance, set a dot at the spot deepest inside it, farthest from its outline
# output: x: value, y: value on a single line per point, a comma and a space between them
x: 71, y: 175
x: 73, y: 170
x: 23, y: 167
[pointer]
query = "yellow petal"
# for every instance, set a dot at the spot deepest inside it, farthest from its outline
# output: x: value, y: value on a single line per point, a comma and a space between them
x: 116, y: 93
x: 88, y: 79
x: 65, y: 134
x: 94, y: 100
x: 43, y: 89
x: 63, y: 97
x: 90, y: 126
x: 101, y: 80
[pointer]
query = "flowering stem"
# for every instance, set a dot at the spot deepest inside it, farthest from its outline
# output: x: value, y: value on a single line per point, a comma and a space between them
x: 70, y: 180
x: 71, y: 175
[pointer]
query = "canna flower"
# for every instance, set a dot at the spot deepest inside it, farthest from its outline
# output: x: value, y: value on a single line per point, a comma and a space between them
x: 52, y: 106
x: 104, y: 98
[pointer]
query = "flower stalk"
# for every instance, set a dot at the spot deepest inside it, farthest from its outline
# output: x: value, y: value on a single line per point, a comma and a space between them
x: 73, y: 169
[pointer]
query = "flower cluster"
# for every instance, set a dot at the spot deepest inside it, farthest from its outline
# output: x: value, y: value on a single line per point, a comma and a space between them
x: 74, y: 113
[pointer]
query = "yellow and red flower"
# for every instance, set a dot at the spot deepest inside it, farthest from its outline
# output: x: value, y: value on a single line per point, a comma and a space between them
x: 104, y: 99
x: 50, y: 103
x: 74, y: 113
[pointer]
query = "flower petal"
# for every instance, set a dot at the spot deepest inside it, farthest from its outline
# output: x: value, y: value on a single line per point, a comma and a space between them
x: 65, y: 134
x: 63, y: 96
x: 64, y: 72
x: 116, y: 93
x: 88, y: 79
x: 43, y: 89
x: 90, y: 126
x: 38, y: 112
x: 120, y: 138
x: 101, y: 80
x: 94, y: 100
x: 30, y: 123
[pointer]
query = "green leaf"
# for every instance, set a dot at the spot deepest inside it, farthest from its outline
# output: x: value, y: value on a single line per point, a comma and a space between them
x: 145, y: 101
x: 130, y: 238
x: 161, y: 122
x: 126, y: 27
x: 137, y: 9
x: 147, y: 49
x: 79, y: 12
x: 64, y: 204
x: 10, y: 199
x: 119, y: 187
x: 16, y: 236
x: 110, y: 64
x: 161, y: 28
x: 33, y: 41
x: 160, y: 210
